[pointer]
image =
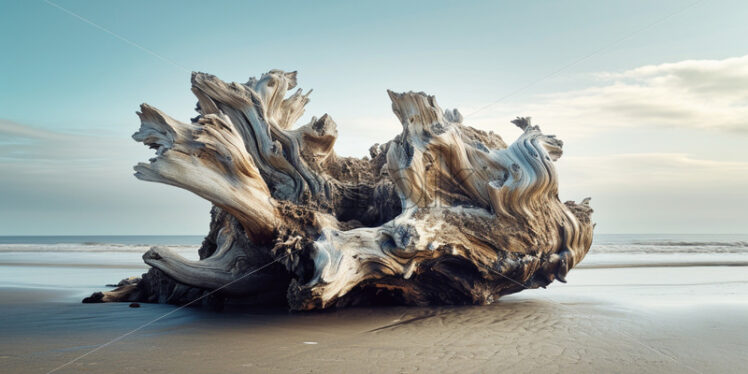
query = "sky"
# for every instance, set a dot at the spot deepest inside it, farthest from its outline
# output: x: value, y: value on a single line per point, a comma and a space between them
x: 650, y: 97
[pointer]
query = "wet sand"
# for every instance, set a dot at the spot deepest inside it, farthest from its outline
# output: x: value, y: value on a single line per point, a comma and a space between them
x: 632, y: 320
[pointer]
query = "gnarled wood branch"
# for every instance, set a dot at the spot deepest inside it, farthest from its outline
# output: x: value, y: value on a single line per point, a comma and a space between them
x: 443, y: 213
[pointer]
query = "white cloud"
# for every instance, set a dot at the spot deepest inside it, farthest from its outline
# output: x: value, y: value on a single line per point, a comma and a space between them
x: 35, y: 148
x: 697, y: 94
x: 63, y: 183
x: 10, y: 130
x: 653, y: 171
x: 659, y: 192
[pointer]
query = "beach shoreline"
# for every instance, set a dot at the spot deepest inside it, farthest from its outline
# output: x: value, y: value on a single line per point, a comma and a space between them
x: 626, y: 325
x: 632, y: 306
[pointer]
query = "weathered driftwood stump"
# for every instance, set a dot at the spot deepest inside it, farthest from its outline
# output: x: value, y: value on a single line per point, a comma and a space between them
x: 442, y: 214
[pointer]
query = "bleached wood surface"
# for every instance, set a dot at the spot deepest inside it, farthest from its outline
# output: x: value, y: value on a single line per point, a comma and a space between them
x: 443, y: 213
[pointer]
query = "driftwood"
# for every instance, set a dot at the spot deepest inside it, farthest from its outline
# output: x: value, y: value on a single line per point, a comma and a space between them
x: 442, y: 214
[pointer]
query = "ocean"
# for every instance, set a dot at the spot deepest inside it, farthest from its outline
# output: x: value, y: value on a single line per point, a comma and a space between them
x: 86, y: 264
x: 603, y: 243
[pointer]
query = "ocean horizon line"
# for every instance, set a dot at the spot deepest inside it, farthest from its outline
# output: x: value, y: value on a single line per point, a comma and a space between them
x: 203, y: 235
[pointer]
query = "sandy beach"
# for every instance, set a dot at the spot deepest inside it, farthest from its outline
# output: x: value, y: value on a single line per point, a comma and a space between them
x: 317, y: 187
x: 614, y: 315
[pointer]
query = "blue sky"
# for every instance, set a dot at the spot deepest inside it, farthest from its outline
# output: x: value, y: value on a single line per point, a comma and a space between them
x: 650, y: 104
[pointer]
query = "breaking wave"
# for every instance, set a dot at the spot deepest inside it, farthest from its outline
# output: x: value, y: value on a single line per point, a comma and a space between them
x: 667, y: 246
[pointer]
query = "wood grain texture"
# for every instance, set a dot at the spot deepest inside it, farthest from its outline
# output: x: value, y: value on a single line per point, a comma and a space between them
x: 442, y: 214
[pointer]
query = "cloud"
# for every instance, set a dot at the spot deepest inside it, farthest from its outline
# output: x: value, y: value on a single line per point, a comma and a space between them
x: 659, y: 192
x: 10, y: 130
x: 728, y: 76
x: 35, y: 148
x: 694, y: 94
x: 654, y: 171
x: 78, y: 183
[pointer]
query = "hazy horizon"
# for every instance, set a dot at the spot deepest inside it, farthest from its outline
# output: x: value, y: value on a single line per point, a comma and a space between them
x: 203, y: 235
x: 651, y: 99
